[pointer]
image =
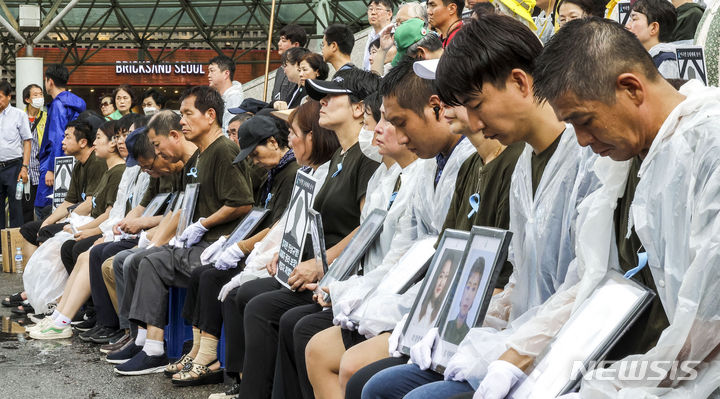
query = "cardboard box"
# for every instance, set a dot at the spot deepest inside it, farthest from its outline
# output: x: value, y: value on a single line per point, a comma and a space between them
x: 10, y: 239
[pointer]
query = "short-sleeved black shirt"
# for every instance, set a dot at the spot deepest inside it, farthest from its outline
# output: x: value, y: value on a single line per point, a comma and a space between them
x: 280, y: 193
x: 221, y: 184
x: 107, y: 190
x: 538, y: 162
x: 85, y: 178
x: 338, y: 201
x: 492, y: 183
x: 645, y: 332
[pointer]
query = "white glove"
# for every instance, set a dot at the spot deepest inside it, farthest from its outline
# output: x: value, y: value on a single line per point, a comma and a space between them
x: 143, y: 242
x: 342, y: 318
x: 500, y: 379
x: 193, y: 233
x: 394, y: 340
x: 174, y: 242
x: 457, y: 367
x: 229, y: 258
x: 231, y: 285
x: 209, y: 254
x: 421, y: 352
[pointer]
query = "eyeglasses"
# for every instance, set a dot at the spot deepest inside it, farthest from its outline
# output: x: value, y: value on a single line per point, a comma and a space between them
x: 152, y: 165
x: 104, y: 104
x: 377, y: 10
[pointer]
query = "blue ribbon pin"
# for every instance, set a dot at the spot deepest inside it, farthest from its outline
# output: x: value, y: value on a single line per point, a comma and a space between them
x: 267, y: 200
x: 93, y: 202
x: 392, y: 199
x: 642, y: 262
x: 339, y: 168
x: 83, y: 196
x: 474, y: 204
x: 193, y: 172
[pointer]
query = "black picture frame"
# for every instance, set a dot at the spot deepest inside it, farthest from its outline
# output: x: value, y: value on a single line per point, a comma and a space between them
x: 589, y: 334
x: 296, y: 226
x: 156, y: 204
x: 246, y: 226
x: 348, y: 261
x: 439, y: 275
x: 318, y: 239
x: 490, y: 245
x: 187, y: 211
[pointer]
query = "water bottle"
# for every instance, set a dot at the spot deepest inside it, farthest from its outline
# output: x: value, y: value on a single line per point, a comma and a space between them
x: 19, y: 190
x: 18, y: 260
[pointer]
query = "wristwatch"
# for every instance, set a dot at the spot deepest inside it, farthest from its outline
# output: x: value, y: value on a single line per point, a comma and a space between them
x: 25, y: 166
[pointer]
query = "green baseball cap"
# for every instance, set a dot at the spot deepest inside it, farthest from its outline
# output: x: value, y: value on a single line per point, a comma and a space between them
x: 407, y: 34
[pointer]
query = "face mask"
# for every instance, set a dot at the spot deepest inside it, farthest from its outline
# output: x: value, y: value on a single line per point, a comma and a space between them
x: 150, y: 110
x: 365, y: 140
x: 38, y: 102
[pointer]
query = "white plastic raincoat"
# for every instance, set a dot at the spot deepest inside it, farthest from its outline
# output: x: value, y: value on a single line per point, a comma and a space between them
x: 397, y: 236
x: 132, y: 187
x: 428, y: 209
x: 542, y: 248
x: 675, y: 214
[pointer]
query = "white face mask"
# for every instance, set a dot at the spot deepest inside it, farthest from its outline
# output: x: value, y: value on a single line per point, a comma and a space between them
x: 365, y: 140
x: 150, y: 110
x: 38, y: 102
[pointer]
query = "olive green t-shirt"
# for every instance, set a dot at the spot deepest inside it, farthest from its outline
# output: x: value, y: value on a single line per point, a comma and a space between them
x: 538, y: 162
x: 107, y: 190
x: 221, y: 184
x: 645, y: 332
x: 338, y: 201
x: 280, y: 194
x: 492, y: 183
x: 85, y: 178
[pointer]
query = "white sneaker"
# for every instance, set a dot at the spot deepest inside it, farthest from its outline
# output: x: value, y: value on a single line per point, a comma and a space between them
x: 39, y: 325
x: 51, y: 331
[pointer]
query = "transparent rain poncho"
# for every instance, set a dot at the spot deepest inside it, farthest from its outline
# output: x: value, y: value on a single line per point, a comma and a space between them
x: 428, y: 208
x: 131, y: 189
x: 541, y: 251
x: 675, y: 215
x: 392, y: 243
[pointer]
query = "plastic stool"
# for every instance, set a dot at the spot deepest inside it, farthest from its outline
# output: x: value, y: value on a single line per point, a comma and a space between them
x: 221, y: 348
x: 177, y: 330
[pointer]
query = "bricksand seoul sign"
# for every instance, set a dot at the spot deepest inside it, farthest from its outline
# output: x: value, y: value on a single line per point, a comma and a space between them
x: 146, y: 68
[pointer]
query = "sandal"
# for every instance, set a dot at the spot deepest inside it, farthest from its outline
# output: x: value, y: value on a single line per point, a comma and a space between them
x: 23, y: 309
x: 184, y: 364
x: 202, y: 375
x: 13, y: 300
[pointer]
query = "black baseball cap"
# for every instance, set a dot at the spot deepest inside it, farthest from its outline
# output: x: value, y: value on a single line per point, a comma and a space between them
x: 130, y: 140
x: 253, y: 132
x: 251, y: 105
x: 318, y: 89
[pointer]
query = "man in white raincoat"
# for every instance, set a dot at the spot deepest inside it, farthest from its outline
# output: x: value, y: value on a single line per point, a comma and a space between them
x: 627, y: 111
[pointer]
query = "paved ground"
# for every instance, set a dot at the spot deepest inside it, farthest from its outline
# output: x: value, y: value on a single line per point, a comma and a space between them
x: 69, y: 368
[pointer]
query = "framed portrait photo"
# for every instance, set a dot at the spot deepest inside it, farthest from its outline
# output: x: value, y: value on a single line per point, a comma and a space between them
x: 482, y: 261
x: 318, y: 239
x: 409, y: 270
x: 349, y: 259
x: 246, y: 226
x: 156, y: 204
x: 587, y: 337
x: 187, y: 211
x: 436, y: 288
x: 296, y: 226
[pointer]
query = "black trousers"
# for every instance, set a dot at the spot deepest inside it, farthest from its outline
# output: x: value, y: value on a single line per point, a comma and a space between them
x: 297, y: 327
x: 71, y: 249
x: 28, y: 205
x: 35, y: 235
x: 8, y: 183
x: 357, y: 382
x: 261, y: 318
x: 104, y: 310
x: 202, y: 309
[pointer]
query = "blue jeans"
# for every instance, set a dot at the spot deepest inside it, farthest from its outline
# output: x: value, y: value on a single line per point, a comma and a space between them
x: 408, y: 379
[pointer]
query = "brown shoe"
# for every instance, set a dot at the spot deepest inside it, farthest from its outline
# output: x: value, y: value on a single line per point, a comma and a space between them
x: 113, y: 346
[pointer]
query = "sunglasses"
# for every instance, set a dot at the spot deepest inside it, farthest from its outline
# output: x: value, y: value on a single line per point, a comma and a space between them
x: 152, y: 165
x: 105, y: 104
